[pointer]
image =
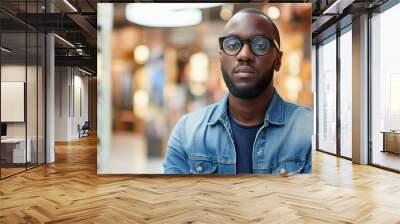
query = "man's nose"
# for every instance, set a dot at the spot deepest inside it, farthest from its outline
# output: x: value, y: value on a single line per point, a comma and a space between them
x: 245, y: 53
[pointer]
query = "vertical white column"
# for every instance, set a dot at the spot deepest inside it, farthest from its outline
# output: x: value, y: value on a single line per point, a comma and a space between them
x: 50, y: 99
x: 50, y: 93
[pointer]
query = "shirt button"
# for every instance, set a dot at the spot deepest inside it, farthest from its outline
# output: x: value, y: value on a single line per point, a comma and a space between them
x: 199, y: 168
x: 260, y: 152
x: 283, y: 171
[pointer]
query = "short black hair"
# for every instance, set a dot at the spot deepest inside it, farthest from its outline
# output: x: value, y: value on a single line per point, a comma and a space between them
x: 262, y: 14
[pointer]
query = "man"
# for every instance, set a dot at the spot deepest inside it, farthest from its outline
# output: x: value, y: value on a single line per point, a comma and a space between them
x: 252, y: 130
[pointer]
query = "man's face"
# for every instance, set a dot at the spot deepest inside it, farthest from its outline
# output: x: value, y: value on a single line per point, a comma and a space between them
x: 245, y: 74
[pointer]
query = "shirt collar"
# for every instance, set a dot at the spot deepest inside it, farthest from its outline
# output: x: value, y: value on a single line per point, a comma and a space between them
x: 274, y: 114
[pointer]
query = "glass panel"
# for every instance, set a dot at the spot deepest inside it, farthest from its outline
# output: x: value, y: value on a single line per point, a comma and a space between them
x: 41, y: 99
x: 31, y: 98
x: 32, y: 86
x: 346, y: 94
x: 13, y: 87
x: 327, y: 97
x: 385, y: 86
x: 22, y: 77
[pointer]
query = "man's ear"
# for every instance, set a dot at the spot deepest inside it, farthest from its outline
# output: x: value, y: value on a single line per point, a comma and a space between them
x: 278, y: 60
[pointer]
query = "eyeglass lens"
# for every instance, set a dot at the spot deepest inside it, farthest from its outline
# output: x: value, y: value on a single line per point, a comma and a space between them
x: 258, y: 45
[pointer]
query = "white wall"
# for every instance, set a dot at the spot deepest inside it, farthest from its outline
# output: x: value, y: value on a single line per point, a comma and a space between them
x: 71, y: 87
x: 61, y: 103
x: 12, y: 73
x: 33, y: 126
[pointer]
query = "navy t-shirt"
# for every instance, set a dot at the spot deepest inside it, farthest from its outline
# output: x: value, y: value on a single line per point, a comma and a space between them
x: 243, y: 137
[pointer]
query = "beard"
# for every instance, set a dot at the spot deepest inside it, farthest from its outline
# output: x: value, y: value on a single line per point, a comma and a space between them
x: 251, y: 91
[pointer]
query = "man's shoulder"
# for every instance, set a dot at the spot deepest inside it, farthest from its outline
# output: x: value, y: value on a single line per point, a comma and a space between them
x: 298, y: 110
x: 299, y: 116
x: 299, y: 123
x: 200, y: 116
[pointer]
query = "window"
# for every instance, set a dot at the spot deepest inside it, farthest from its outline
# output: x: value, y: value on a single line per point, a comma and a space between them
x: 385, y: 89
x: 327, y: 96
x: 346, y: 94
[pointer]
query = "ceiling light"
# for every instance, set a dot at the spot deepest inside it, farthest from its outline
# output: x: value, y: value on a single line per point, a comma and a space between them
x: 226, y: 12
x: 65, y: 41
x: 174, y: 6
x: 337, y: 7
x: 5, y: 50
x: 184, y: 6
x: 141, y: 54
x: 155, y: 15
x: 273, y: 12
x: 84, y: 71
x: 70, y: 5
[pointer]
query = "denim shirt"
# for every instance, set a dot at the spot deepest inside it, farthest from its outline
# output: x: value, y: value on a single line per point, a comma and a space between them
x: 202, y: 143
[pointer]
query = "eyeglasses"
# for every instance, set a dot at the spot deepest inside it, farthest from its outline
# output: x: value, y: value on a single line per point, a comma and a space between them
x: 259, y: 45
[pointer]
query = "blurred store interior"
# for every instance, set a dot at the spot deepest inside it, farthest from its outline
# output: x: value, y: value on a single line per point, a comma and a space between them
x: 163, y: 68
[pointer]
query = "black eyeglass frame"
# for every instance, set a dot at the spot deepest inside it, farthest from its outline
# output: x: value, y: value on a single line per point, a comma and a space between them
x: 271, y: 40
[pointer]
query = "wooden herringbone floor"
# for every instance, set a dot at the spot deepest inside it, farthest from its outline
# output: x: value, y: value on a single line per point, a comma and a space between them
x: 69, y: 191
